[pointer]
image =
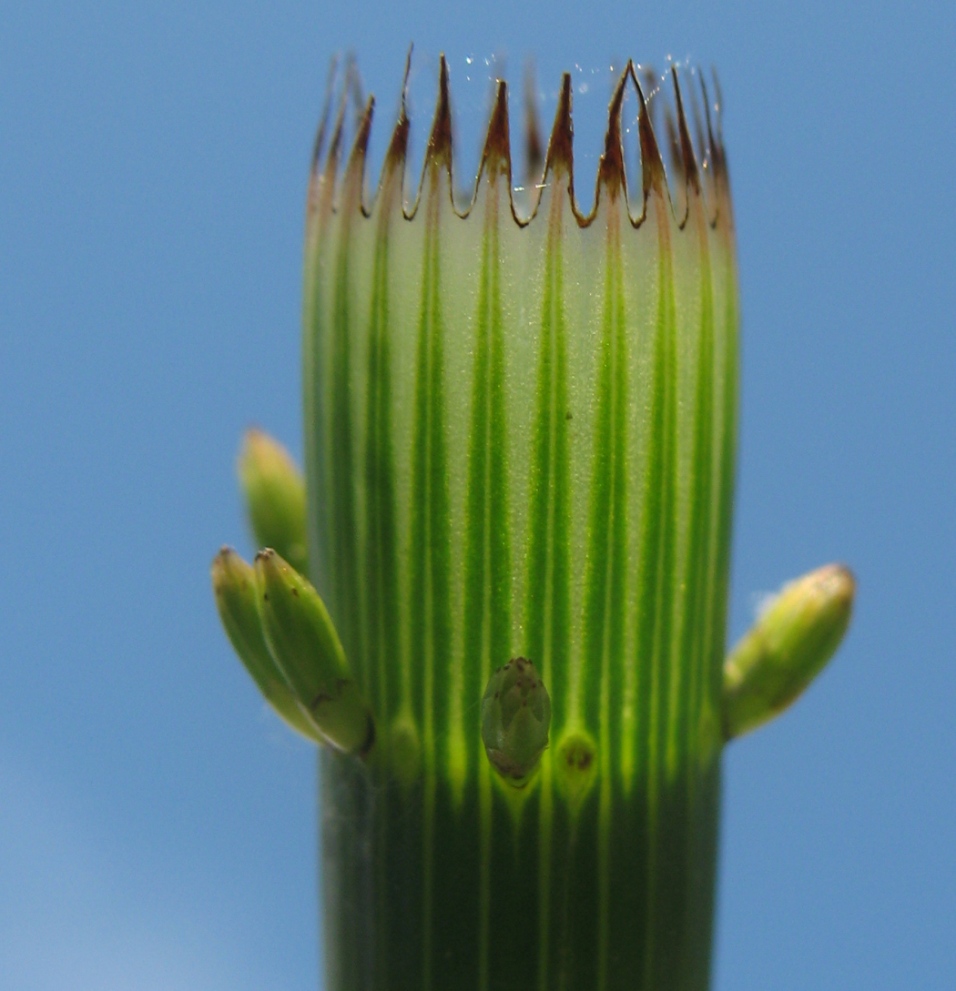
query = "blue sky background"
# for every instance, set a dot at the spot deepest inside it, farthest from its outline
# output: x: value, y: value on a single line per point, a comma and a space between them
x: 157, y: 825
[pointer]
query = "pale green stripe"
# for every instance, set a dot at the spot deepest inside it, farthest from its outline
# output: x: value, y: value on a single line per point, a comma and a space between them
x: 422, y: 643
x: 708, y: 422
x: 616, y: 546
x: 660, y: 507
x: 487, y: 622
x: 547, y: 612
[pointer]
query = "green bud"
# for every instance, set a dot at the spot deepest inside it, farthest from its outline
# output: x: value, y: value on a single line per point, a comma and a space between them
x: 234, y: 584
x: 306, y: 648
x: 515, y: 719
x: 275, y: 497
x: 793, y: 638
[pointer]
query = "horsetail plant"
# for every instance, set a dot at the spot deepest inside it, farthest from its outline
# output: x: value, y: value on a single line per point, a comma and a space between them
x: 520, y: 433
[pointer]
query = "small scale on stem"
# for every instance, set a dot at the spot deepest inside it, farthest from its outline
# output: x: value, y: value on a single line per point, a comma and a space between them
x: 515, y: 720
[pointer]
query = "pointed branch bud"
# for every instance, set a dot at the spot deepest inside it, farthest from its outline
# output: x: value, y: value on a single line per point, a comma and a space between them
x: 234, y: 584
x: 788, y: 646
x: 515, y: 719
x: 275, y: 497
x: 305, y: 646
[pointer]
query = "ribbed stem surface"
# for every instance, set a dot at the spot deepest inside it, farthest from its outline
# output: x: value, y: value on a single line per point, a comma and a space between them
x: 521, y: 442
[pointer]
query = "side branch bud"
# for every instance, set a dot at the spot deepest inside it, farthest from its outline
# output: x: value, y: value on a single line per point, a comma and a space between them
x: 307, y: 650
x: 788, y: 646
x: 274, y: 490
x: 234, y: 585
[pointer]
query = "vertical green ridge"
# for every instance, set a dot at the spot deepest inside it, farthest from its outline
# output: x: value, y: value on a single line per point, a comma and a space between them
x: 548, y: 601
x: 658, y: 547
x: 547, y: 618
x: 314, y: 342
x: 648, y: 608
x: 604, y: 582
x: 419, y: 642
x: 728, y: 450
x: 708, y: 421
x: 695, y: 640
x: 667, y: 868
x: 430, y: 625
x: 313, y: 420
x: 383, y: 606
x: 486, y: 598
x: 381, y: 578
x: 476, y: 645
x: 344, y: 564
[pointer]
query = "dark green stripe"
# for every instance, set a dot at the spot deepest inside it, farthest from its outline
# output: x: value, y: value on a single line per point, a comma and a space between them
x: 419, y: 523
x: 487, y: 609
x: 698, y: 571
x: 314, y: 427
x: 346, y: 592
x: 701, y: 564
x: 419, y: 589
x: 547, y: 614
x: 476, y: 543
x: 381, y: 578
x: 499, y: 522
x: 496, y: 967
x: 728, y: 452
x: 605, y: 579
x: 438, y: 658
x: 430, y: 621
x: 656, y: 598
x: 548, y: 604
x: 695, y: 639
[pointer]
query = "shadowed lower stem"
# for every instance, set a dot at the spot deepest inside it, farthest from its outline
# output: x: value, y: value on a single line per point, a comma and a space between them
x: 515, y: 915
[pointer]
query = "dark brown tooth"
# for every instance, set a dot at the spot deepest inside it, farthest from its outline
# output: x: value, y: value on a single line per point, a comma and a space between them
x: 701, y: 144
x: 720, y: 159
x: 398, y: 145
x: 693, y: 162
x: 712, y: 156
x: 688, y: 158
x: 319, y: 146
x: 438, y: 152
x: 675, y: 159
x: 360, y: 145
x: 335, y: 146
x: 560, y: 156
x: 651, y: 87
x: 611, y: 167
x: 496, y: 156
x: 652, y: 165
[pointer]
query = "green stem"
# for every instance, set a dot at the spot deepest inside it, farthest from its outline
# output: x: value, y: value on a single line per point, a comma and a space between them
x: 520, y: 442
